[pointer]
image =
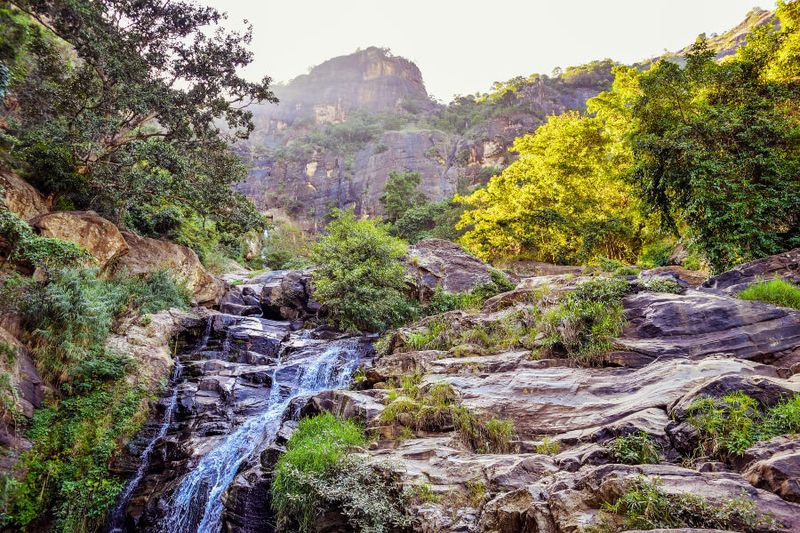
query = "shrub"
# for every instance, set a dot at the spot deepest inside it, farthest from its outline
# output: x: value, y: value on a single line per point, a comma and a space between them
x: 22, y: 244
x: 635, y: 449
x: 582, y: 325
x: 730, y: 425
x: 493, y: 435
x: 656, y: 254
x: 661, y: 285
x: 645, y: 506
x: 286, y: 247
x: 319, y: 473
x: 775, y: 292
x: 359, y: 277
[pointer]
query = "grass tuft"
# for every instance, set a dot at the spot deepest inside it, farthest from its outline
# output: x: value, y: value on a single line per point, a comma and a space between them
x: 775, y: 292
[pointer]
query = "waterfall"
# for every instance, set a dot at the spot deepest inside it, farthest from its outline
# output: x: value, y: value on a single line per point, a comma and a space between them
x: 196, y: 504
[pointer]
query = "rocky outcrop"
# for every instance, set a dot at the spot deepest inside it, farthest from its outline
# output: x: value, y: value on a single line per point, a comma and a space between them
x: 433, y: 263
x: 775, y: 466
x: 147, y: 255
x: 785, y: 266
x: 22, y: 391
x: 101, y: 238
x: 697, y: 324
x: 21, y: 198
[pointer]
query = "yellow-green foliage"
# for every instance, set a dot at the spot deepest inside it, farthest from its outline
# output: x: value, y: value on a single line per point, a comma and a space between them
x: 548, y: 446
x: 560, y: 202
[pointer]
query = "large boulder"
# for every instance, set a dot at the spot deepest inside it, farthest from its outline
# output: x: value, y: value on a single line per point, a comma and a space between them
x: 287, y: 294
x: 21, y: 198
x: 697, y: 324
x: 148, y: 255
x: 776, y: 467
x: 98, y: 236
x: 785, y: 266
x: 436, y: 263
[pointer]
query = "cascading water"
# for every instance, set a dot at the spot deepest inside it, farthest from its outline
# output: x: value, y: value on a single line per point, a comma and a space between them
x: 196, y: 504
x: 116, y: 519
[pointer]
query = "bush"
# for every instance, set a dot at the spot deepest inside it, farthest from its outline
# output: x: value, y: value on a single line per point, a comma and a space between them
x: 636, y: 449
x: 443, y: 301
x: 360, y: 279
x: 22, y: 244
x: 548, y: 446
x: 286, y: 246
x: 493, y: 435
x: 318, y: 473
x: 645, y: 506
x: 730, y: 425
x: 775, y: 292
x: 661, y: 285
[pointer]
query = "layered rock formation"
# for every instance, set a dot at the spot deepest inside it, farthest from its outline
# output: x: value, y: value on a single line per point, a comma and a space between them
x: 675, y: 349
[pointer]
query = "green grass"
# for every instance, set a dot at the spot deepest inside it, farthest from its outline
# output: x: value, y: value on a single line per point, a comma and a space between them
x: 635, y: 449
x: 318, y: 473
x: 730, y: 425
x: 644, y: 505
x: 775, y: 292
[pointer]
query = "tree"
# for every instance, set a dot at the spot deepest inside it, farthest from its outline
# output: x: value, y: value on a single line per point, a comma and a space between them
x: 561, y: 201
x: 147, y: 111
x: 359, y: 277
x: 401, y: 194
x: 716, y: 146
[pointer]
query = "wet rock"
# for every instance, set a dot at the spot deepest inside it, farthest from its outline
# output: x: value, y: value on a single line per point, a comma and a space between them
x: 435, y: 263
x: 149, y: 255
x: 287, y: 295
x: 785, y: 265
x: 87, y: 229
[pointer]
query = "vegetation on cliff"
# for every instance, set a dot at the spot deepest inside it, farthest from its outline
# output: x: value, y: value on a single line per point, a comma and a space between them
x: 707, y: 147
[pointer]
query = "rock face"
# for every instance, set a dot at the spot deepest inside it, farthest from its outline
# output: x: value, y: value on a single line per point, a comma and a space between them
x: 101, y: 238
x: 438, y: 263
x: 147, y: 255
x: 784, y: 266
x: 22, y: 198
x: 389, y: 122
x: 22, y: 391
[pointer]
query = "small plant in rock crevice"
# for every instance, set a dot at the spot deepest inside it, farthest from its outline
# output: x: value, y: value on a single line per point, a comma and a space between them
x: 548, y: 446
x: 635, y: 449
x: 730, y: 425
x: 644, y: 506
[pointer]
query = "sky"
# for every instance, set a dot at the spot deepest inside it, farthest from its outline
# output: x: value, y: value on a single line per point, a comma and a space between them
x: 463, y: 46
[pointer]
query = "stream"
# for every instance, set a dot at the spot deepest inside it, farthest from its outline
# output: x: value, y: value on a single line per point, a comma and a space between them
x: 230, y: 394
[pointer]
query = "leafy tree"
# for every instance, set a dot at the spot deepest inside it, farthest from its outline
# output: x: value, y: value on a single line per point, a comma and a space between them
x: 401, y: 194
x: 429, y: 220
x: 561, y: 201
x: 359, y: 277
x: 145, y: 114
x: 715, y: 146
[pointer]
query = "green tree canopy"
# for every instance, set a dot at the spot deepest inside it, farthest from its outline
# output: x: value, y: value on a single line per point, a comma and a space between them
x: 401, y: 194
x: 121, y: 103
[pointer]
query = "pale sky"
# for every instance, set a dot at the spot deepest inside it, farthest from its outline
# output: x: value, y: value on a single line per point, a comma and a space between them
x: 462, y: 46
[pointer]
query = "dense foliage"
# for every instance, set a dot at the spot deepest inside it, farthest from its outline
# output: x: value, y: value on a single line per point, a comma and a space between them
x: 129, y: 105
x: 359, y: 277
x: 95, y: 404
x: 562, y: 201
x: 401, y: 194
x: 319, y: 473
x: 729, y: 425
